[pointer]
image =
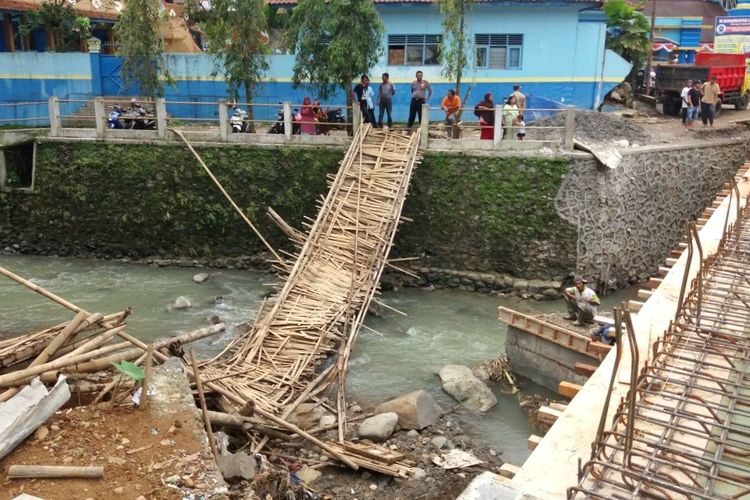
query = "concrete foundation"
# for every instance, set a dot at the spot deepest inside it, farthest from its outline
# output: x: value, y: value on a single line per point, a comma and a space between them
x: 542, y: 361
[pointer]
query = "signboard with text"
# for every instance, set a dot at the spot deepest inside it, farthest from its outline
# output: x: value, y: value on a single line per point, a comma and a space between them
x: 732, y: 35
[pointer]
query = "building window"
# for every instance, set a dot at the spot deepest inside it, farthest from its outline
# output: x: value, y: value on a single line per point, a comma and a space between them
x: 499, y: 51
x: 414, y: 50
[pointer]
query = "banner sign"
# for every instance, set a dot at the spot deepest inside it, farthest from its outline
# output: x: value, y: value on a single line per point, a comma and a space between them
x: 732, y: 34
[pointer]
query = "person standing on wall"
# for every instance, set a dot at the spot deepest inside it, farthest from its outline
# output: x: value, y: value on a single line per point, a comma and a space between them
x: 520, y: 98
x: 582, y: 302
x: 386, y: 91
x: 451, y: 104
x: 364, y: 95
x: 710, y: 91
x: 420, y: 94
x: 685, y: 102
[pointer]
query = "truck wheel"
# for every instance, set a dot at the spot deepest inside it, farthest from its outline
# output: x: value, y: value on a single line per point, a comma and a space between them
x: 718, y: 108
x: 742, y: 102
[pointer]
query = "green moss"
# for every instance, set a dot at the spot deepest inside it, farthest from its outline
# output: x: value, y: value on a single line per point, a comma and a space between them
x: 481, y: 213
x: 143, y: 199
x: 495, y: 213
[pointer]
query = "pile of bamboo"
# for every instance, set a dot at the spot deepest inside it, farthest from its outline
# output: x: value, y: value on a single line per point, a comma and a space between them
x: 87, y: 344
x: 319, y: 310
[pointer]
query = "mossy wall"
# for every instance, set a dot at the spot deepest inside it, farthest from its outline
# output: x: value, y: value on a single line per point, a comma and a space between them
x: 489, y: 213
x: 142, y: 200
x: 470, y: 212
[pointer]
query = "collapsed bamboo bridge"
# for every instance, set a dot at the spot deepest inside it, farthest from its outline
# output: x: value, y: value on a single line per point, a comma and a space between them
x: 329, y: 285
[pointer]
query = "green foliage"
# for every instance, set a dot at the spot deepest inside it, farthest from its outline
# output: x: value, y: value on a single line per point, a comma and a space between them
x: 456, y: 39
x: 64, y: 28
x: 485, y: 212
x: 138, y: 32
x: 334, y: 41
x: 235, y: 32
x: 130, y: 369
x: 627, y: 31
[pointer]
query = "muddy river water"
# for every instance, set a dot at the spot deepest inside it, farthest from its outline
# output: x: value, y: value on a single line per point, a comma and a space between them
x: 441, y: 327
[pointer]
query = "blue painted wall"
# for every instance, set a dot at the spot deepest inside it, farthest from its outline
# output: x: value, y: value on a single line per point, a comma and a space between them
x: 563, y: 63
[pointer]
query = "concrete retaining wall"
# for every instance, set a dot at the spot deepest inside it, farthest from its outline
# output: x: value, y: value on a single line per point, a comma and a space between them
x: 542, y: 361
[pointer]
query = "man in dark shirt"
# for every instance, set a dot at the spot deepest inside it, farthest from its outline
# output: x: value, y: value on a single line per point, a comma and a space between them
x: 694, y: 104
x: 364, y: 95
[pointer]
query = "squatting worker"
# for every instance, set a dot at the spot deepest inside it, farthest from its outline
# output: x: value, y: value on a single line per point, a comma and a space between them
x: 582, y: 302
x: 710, y: 91
x: 420, y: 94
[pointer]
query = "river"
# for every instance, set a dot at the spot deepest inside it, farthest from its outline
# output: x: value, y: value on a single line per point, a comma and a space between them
x: 441, y: 327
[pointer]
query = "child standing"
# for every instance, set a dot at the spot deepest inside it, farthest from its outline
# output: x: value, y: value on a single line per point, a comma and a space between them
x: 520, y: 127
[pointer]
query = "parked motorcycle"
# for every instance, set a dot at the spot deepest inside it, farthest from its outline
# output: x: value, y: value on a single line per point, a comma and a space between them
x: 114, y: 119
x: 326, y: 119
x: 139, y: 118
x: 278, y: 125
x: 239, y: 122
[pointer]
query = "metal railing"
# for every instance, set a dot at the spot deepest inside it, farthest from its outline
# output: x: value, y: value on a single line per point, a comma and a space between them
x: 243, y: 122
x: 26, y: 114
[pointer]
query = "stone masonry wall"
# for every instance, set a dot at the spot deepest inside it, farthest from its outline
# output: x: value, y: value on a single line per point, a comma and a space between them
x: 629, y: 218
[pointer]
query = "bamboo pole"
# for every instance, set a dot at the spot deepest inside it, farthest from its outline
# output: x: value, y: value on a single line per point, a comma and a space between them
x: 226, y: 195
x: 54, y: 472
x: 146, y: 377
x: 202, y: 399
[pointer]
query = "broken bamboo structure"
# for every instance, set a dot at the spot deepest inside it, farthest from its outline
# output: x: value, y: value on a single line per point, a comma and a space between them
x: 319, y: 310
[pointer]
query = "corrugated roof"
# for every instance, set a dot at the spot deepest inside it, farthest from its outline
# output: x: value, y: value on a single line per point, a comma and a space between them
x: 684, y: 8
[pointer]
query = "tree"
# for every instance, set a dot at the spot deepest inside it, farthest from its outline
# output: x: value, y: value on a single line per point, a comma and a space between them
x: 65, y: 30
x: 455, y: 39
x: 627, y: 32
x: 334, y: 41
x: 138, y: 32
x: 235, y: 30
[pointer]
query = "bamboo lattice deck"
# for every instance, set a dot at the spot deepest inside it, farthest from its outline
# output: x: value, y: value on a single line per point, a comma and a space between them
x: 328, y: 289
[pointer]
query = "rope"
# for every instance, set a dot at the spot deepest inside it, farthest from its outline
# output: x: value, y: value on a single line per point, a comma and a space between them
x: 224, y: 192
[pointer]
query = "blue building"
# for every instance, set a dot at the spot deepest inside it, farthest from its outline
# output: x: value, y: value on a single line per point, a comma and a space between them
x: 554, y: 49
x: 682, y: 27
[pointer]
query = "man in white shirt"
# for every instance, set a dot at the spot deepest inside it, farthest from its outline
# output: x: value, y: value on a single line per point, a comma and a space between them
x: 685, y: 102
x: 582, y: 302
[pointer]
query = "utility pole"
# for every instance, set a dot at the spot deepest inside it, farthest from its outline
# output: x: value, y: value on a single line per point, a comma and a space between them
x: 650, y: 58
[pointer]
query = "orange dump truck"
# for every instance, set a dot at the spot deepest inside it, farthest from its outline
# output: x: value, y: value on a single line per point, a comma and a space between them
x: 731, y: 75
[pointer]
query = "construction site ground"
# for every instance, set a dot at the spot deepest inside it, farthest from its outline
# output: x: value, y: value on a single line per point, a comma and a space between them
x: 138, y: 451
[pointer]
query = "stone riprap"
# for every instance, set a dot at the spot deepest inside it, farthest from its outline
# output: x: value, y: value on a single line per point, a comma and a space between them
x: 630, y: 217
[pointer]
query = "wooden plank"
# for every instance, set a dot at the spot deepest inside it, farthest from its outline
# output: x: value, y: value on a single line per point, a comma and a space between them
x: 548, y: 331
x: 663, y: 271
x: 548, y: 415
x: 599, y: 348
x: 561, y: 407
x: 508, y: 470
x: 653, y: 283
x: 568, y: 389
x: 374, y: 452
x: 634, y: 306
x: 533, y: 441
x: 584, y: 369
x: 645, y: 294
x: 670, y: 261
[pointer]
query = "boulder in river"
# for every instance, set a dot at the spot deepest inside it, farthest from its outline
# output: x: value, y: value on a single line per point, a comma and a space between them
x: 201, y: 277
x: 465, y: 387
x: 182, y: 302
x: 378, y: 427
x: 415, y: 410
